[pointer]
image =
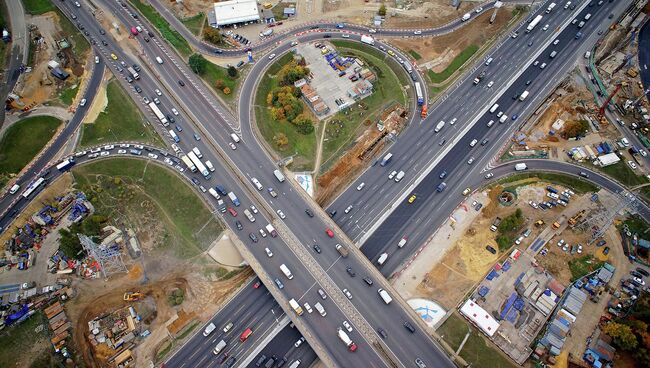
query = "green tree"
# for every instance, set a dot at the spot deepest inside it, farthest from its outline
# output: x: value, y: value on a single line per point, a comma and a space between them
x: 198, y: 63
x: 575, y: 128
x: 622, y: 335
x: 232, y: 72
x: 69, y: 244
x: 303, y: 124
x: 212, y: 35
x: 291, y: 72
x: 382, y: 10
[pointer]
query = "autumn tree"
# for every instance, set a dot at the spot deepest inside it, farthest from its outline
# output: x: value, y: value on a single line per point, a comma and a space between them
x: 291, y: 72
x: 622, y: 335
x: 226, y: 91
x: 219, y: 84
x: 212, y: 35
x: 281, y: 139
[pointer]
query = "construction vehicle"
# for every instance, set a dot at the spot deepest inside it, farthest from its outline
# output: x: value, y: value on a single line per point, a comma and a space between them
x: 539, y: 223
x: 424, y: 111
x: 556, y: 225
x: 574, y: 219
x: 132, y: 296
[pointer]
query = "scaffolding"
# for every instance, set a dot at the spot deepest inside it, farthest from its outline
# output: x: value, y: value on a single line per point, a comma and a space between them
x: 109, y: 257
x: 599, y: 221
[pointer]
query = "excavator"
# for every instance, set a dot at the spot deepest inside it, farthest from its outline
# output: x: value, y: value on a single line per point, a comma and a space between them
x: 132, y: 296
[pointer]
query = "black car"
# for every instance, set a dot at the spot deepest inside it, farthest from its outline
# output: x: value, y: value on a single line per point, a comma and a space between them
x: 327, y: 36
x: 231, y: 361
x: 282, y: 362
x: 490, y: 249
x: 181, y: 83
x: 584, y: 174
x: 146, y: 39
x: 528, y: 82
x: 606, y: 251
x: 137, y: 68
x: 104, y: 43
x: 332, y: 213
x: 238, y: 224
x: 240, y: 64
x: 368, y: 280
x: 253, y: 237
x: 309, y: 213
x: 409, y: 326
x: 196, y: 181
x: 317, y: 248
x: 382, y: 333
x: 260, y: 361
x: 350, y: 271
x: 101, y: 31
x: 137, y: 89
x: 150, y: 34
x: 642, y: 271
x: 217, y: 51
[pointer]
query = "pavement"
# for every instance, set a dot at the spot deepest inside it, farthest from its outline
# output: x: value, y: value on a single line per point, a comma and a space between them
x: 644, y: 57
x: 18, y: 51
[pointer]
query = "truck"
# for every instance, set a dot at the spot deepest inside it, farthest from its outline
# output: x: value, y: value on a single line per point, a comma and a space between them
x: 385, y: 296
x: 199, y: 164
x: 271, y: 230
x: 424, y: 112
x: 523, y: 95
x: 234, y: 199
x: 382, y: 259
x: 278, y: 175
x: 439, y: 126
x: 320, y: 309
x: 478, y: 78
x: 285, y: 270
x: 495, y: 224
x: 465, y: 17
x: 266, y: 33
x: 386, y: 159
x: 521, y: 167
x: 296, y: 307
x: 214, y: 193
x: 550, y: 8
x: 134, y: 74
x: 534, y: 23
x: 249, y: 215
x: 190, y: 165
x: 346, y: 340
x: 368, y: 39
x: 343, y: 251
x: 219, y: 347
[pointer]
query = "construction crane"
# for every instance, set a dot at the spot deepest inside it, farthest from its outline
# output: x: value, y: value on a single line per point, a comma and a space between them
x: 601, y: 111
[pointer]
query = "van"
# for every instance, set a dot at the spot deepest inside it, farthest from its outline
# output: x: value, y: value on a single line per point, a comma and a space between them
x: 208, y: 329
x: 197, y: 152
x: 581, y: 24
x: 494, y: 108
x: 488, y: 61
x: 257, y: 183
x: 14, y: 189
x: 384, y: 295
x: 553, y: 53
x: 587, y: 16
x: 159, y: 60
x: 382, y: 259
x: 473, y: 143
x: 219, y: 347
x: 234, y: 137
x: 503, y: 119
x: 587, y: 54
x: 399, y: 176
x: 490, y: 123
x: 320, y: 309
x: 208, y: 164
x: 278, y: 175
x: 567, y: 5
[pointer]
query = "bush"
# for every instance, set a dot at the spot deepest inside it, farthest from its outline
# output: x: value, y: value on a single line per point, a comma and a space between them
x: 219, y: 84
x: 176, y: 297
x: 226, y: 91
x: 291, y: 72
x: 232, y: 72
x: 212, y: 35
x: 304, y: 125
x: 198, y: 63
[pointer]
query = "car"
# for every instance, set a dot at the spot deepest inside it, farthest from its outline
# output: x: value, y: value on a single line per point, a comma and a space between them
x: 262, y: 233
x: 542, y: 66
x: 96, y: 59
x: 254, y: 209
x: 82, y: 103
x: 489, y: 85
x: 368, y: 281
x: 350, y: 272
x: 420, y: 363
x: 601, y: 243
x: 299, y: 342
x: 610, y: 16
x: 309, y: 213
x: 636, y: 279
x: 179, y: 128
x: 271, y: 56
x: 466, y: 191
x: 146, y: 100
x: 636, y: 274
x: 197, y: 137
x: 347, y: 326
x: 181, y: 83
x: 536, y: 63
x: 442, y: 142
x: 158, y: 92
x: 137, y: 89
x: 556, y: 41
x: 545, y: 27
x: 409, y: 326
x: 347, y: 294
x: 412, y: 198
x: 442, y: 175
x: 253, y: 237
x: 146, y: 39
x: 360, y: 186
x: 257, y: 285
x: 470, y: 161
x: 268, y: 252
x: 515, y: 116
x: 279, y: 283
x: 281, y: 214
x: 113, y: 56
x: 106, y: 44
x: 632, y: 165
x: 308, y: 308
x: 530, y: 43
x: 528, y: 82
x: 600, y: 32
x: 174, y: 111
x: 329, y: 232
x: 121, y: 152
x: 417, y: 32
x: 156, y: 100
x: 232, y: 211
x: 392, y: 175
x: 491, y: 249
x: 129, y: 79
x: 317, y: 248
x: 382, y: 333
x: 561, y: 243
x: 642, y: 271
x: 584, y: 174
x: 348, y: 209
x: 322, y: 294
x: 239, y: 225
x: 484, y: 142
x: 489, y: 175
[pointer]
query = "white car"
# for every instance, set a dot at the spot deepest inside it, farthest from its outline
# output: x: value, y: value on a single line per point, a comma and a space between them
x: 262, y: 233
x: 643, y: 153
x: 479, y: 9
x: 156, y: 100
x: 96, y: 59
x: 271, y: 56
x: 268, y: 252
x: 345, y: 35
x: 372, y: 30
x: 299, y: 342
x: 489, y: 85
x: 392, y: 175
x: 153, y: 156
x: 639, y: 280
x: 519, y: 240
x: 556, y: 41
x: 489, y: 175
x: 560, y: 243
x: 360, y: 186
x: 76, y: 3
x: 168, y: 161
x: 470, y: 161
x: 348, y: 209
x: 347, y: 326
x: 417, y: 32
x: 174, y: 111
x: 545, y: 27
x: 536, y: 63
x: 254, y: 209
x: 632, y: 165
x: 232, y: 145
x: 308, y: 308
x: 453, y: 121
x: 347, y: 294
x: 542, y: 66
x: 532, y: 204
x: 82, y: 103
x: 158, y: 92
x: 281, y: 214
x: 121, y: 152
x: 579, y: 249
x: 104, y: 153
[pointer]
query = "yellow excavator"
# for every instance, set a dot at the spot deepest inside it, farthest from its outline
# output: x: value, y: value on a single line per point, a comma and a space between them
x: 132, y: 296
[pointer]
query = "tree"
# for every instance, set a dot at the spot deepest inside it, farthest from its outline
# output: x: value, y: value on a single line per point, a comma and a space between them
x: 219, y: 84
x: 232, y: 72
x: 303, y: 124
x: 281, y: 139
x: 622, y: 335
x: 291, y: 72
x: 212, y: 35
x: 198, y: 63
x: 575, y: 128
x: 382, y: 10
x: 226, y: 91
x: 69, y: 243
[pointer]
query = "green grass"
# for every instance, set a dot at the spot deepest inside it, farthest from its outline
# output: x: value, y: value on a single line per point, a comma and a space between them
x: 278, y: 11
x: 153, y: 199
x: 476, y: 351
x: 36, y: 7
x: 164, y: 351
x: 79, y: 43
x: 171, y: 35
x: 22, y: 338
x: 68, y: 94
x: 637, y: 225
x: 621, y: 172
x: 583, y: 265
x: 24, y: 140
x: 120, y: 121
x: 574, y: 183
x: 415, y: 54
x: 214, y: 72
x: 187, y: 330
x: 454, y: 65
x: 195, y: 23
x: 303, y: 146
x: 3, y: 46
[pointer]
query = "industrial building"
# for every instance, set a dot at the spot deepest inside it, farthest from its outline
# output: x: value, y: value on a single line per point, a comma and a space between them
x: 232, y: 12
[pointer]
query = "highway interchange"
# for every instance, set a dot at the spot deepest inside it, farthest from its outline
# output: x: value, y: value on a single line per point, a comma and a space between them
x: 212, y: 123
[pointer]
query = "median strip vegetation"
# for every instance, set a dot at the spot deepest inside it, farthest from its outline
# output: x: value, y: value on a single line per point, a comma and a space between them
x: 574, y: 183
x: 454, y: 65
x: 171, y: 35
x: 224, y: 80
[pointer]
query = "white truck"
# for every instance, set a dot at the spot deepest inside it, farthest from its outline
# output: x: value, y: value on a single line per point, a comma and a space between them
x: 346, y: 340
x: 368, y: 39
x: 384, y: 295
x: 214, y: 193
x: 249, y: 215
x: 439, y: 127
x: 465, y: 17
x: 382, y: 259
x: 266, y: 33
x: 133, y: 73
x: 286, y: 271
x: 534, y: 23
x: 271, y: 230
x: 523, y: 95
x: 278, y: 175
x: 520, y: 167
x: 320, y: 309
x: 233, y: 198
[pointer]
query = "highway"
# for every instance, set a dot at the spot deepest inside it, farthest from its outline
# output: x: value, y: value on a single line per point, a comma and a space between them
x: 19, y: 45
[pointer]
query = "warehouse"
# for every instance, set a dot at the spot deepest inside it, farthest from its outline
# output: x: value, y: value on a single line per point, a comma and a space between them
x: 234, y: 12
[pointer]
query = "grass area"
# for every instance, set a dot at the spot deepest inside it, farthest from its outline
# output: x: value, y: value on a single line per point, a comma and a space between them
x: 68, y: 94
x: 187, y: 330
x: 120, y: 121
x: 454, y: 65
x: 153, y: 199
x: 171, y: 35
x: 415, y: 54
x: 23, y: 338
x: 574, y: 183
x: 637, y: 225
x: 583, y: 265
x: 79, y: 43
x: 162, y: 352
x: 476, y: 351
x: 36, y: 7
x: 303, y: 146
x: 195, y: 23
x: 23, y: 141
x: 3, y: 46
x: 278, y: 11
x: 213, y: 73
x: 621, y: 172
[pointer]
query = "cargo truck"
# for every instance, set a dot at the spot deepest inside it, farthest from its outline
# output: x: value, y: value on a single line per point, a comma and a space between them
x: 271, y: 230
x: 214, y: 193
x: 521, y: 167
x: 234, y: 199
x: 346, y: 340
x: 285, y: 270
x: 368, y: 39
x: 386, y: 159
x: 523, y: 95
x: 134, y: 74
x: 439, y: 126
x: 424, y: 112
x: 495, y: 224
x: 296, y: 307
x: 343, y: 251
x: 534, y: 23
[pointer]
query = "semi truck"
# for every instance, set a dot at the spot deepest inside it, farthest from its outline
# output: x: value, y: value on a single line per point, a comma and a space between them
x: 368, y: 39
x: 134, y: 74
x: 234, y: 199
x: 343, y: 251
x: 495, y: 224
x: 346, y: 340
x: 439, y: 126
x: 285, y: 270
x: 190, y: 165
x: 199, y: 165
x: 296, y: 307
x: 534, y: 23
x: 271, y: 230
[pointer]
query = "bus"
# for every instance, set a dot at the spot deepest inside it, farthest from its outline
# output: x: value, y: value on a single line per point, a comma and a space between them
x: 174, y: 136
x: 188, y: 163
x: 158, y: 114
x: 199, y: 165
x: 32, y: 187
x: 418, y: 92
x: 245, y: 335
x: 65, y: 165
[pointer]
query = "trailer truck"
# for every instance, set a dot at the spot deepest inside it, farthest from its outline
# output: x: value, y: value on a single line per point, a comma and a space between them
x: 346, y: 340
x: 534, y: 23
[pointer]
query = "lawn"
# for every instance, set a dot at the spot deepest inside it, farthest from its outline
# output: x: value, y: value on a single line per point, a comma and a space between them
x: 195, y: 23
x: 214, y: 72
x: 637, y: 225
x: 23, y: 338
x: 621, y: 172
x: 476, y: 351
x: 36, y: 7
x: 68, y: 94
x: 583, y: 265
x: 24, y: 140
x: 79, y: 43
x: 574, y: 183
x: 120, y: 121
x: 150, y: 198
x: 454, y: 65
x: 415, y: 55
x: 300, y: 145
x: 171, y: 35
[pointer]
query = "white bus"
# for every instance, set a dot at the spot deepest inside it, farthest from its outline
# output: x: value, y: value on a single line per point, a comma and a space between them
x: 188, y: 163
x: 158, y: 114
x: 199, y: 165
x: 32, y: 187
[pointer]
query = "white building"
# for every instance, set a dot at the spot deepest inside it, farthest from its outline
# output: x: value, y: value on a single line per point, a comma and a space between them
x: 234, y: 12
x: 479, y: 317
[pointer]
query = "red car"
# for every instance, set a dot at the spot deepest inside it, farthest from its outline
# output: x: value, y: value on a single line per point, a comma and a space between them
x: 257, y: 285
x: 330, y: 233
x: 232, y: 211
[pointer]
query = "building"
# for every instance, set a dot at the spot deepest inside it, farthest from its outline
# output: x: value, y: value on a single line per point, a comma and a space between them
x: 479, y: 317
x: 233, y: 12
x: 608, y: 159
x: 289, y: 12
